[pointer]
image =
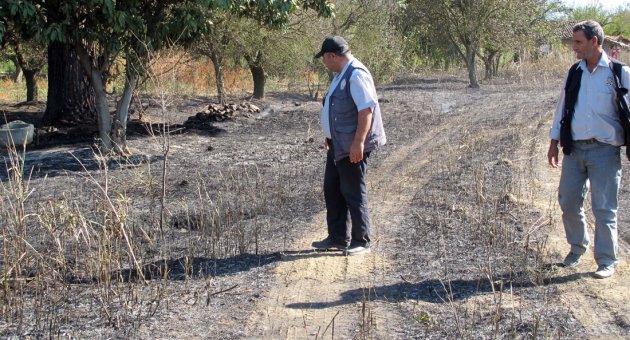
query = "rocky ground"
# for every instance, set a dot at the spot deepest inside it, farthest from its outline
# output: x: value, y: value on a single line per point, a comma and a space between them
x: 466, y: 227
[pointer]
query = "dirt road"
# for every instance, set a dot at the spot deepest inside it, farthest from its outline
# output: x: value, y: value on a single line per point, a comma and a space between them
x: 466, y: 229
x: 493, y: 150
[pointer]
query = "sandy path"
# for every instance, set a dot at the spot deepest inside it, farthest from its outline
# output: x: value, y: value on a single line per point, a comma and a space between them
x: 602, y: 307
x: 321, y: 295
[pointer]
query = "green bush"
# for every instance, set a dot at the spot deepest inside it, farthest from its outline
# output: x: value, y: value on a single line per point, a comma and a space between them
x: 7, y: 67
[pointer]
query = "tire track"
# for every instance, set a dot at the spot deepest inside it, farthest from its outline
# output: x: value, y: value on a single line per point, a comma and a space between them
x: 320, y: 294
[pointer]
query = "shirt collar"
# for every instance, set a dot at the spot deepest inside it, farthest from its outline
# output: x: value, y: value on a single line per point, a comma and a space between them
x: 350, y: 60
x: 604, y: 61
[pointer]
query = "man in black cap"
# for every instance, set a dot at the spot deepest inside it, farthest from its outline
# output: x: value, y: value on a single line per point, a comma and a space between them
x: 352, y: 126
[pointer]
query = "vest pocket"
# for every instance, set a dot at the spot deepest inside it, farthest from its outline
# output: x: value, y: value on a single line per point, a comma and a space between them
x: 346, y: 122
x: 349, y: 128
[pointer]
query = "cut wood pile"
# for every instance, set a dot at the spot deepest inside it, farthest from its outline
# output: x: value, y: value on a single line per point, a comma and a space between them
x: 220, y: 113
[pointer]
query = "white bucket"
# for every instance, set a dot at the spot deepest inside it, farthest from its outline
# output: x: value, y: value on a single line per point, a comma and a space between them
x: 16, y: 133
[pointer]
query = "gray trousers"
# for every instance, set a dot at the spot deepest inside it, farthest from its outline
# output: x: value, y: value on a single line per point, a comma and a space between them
x: 345, y: 193
x: 597, y: 165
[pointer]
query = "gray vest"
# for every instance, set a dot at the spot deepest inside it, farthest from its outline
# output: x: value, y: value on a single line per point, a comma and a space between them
x: 344, y: 119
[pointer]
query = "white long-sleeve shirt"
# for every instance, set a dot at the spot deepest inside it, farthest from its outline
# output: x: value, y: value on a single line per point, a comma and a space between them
x: 595, y: 113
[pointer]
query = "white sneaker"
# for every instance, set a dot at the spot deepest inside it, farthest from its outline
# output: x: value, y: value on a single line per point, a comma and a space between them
x: 604, y: 271
x: 358, y: 249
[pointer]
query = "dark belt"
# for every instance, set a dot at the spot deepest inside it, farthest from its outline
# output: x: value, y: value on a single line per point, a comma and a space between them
x: 587, y: 141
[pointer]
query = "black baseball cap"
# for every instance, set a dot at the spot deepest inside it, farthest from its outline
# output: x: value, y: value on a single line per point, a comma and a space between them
x: 334, y: 44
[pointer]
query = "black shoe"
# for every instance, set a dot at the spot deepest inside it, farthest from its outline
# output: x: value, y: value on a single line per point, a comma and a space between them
x: 328, y: 243
x: 571, y: 260
x: 357, y: 249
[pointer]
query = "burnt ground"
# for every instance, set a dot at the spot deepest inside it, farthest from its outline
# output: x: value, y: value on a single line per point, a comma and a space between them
x: 466, y: 228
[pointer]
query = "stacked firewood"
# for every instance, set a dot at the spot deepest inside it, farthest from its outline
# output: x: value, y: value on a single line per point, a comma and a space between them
x: 219, y: 113
x: 223, y: 112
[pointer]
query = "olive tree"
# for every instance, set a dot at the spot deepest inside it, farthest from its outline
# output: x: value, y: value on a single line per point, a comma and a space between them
x: 101, y: 30
x: 470, y: 26
x: 29, y: 57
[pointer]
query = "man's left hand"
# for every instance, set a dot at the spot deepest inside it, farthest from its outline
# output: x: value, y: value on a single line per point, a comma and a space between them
x: 356, y: 152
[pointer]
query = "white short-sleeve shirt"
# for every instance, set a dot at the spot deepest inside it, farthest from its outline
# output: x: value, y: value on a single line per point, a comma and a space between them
x: 361, y: 88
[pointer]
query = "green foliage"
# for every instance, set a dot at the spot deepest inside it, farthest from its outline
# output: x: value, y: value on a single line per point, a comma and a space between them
x: 6, y: 66
x: 421, y: 45
x: 274, y: 13
x: 616, y: 22
x: 424, y: 318
x: 590, y: 12
x: 378, y: 47
x: 114, y: 26
x: 368, y: 27
x: 619, y: 23
x: 288, y: 53
x: 437, y: 32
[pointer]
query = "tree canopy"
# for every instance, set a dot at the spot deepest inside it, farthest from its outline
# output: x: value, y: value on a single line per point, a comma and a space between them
x: 475, y: 27
x: 100, y: 30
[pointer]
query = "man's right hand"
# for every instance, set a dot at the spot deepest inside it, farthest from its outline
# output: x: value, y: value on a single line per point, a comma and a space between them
x: 552, y: 153
x: 326, y: 147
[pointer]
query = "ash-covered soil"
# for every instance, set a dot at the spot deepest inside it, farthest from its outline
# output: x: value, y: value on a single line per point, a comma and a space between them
x: 220, y: 219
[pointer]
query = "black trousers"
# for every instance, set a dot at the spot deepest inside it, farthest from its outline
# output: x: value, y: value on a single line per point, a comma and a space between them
x: 346, y: 199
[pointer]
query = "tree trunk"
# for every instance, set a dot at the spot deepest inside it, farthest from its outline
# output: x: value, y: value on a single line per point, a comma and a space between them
x: 122, y: 114
x: 102, y: 108
x: 71, y: 99
x: 217, y: 61
x: 31, y: 84
x: 472, y: 67
x: 258, y: 74
x: 259, y: 77
x: 17, y: 76
x: 30, y: 71
x: 495, y: 65
x: 488, y: 63
x: 427, y: 55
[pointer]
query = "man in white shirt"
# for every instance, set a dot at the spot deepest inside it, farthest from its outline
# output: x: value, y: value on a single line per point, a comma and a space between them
x: 352, y: 126
x: 587, y: 123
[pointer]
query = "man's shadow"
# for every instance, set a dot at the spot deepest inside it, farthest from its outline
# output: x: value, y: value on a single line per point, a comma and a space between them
x: 439, y: 291
x: 184, y: 268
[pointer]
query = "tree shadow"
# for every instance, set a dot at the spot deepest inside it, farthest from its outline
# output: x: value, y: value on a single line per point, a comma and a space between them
x: 140, y: 129
x: 60, y: 161
x: 437, y: 291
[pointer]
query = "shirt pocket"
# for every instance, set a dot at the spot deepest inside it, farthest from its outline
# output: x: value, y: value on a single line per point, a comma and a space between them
x: 605, y: 100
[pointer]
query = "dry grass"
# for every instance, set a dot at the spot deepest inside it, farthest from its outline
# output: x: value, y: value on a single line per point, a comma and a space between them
x: 92, y: 240
x: 190, y: 76
x: 89, y: 251
x: 16, y: 91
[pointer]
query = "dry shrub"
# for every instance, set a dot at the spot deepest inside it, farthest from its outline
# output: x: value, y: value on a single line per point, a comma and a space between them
x: 184, y: 74
x: 238, y: 80
x: 547, y: 70
x: 11, y: 91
